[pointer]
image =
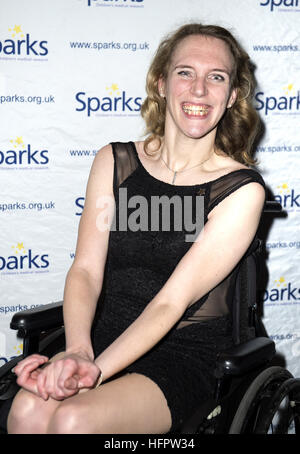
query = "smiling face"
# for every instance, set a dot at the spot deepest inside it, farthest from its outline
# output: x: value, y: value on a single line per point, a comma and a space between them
x: 198, y: 86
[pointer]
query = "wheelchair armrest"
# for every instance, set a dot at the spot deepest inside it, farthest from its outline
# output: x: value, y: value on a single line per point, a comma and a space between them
x: 241, y: 358
x: 38, y: 319
x: 271, y: 206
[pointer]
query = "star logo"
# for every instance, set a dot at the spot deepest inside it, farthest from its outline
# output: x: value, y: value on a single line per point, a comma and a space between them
x: 19, y: 349
x: 17, y: 142
x: 113, y: 89
x: 16, y: 31
x: 280, y: 281
x: 283, y: 187
x: 19, y: 249
x: 289, y: 89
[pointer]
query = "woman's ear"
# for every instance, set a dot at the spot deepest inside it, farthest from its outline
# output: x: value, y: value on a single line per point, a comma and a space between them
x: 232, y: 98
x: 161, y: 87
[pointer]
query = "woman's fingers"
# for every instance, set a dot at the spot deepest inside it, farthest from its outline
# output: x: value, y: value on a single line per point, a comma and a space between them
x: 35, y: 358
x: 85, y: 371
x: 25, y: 379
x: 71, y: 374
x: 89, y: 376
x: 60, y: 378
x: 72, y: 382
x: 41, y: 381
x: 53, y: 385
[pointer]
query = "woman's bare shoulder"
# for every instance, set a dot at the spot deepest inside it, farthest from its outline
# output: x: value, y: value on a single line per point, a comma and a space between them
x: 225, y: 163
x: 102, y: 169
x: 104, y: 153
x: 104, y: 160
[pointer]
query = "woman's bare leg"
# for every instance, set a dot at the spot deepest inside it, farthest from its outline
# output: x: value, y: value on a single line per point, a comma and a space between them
x: 130, y: 404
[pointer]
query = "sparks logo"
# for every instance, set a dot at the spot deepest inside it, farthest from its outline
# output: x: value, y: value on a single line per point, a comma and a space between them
x: 19, y: 154
x: 113, y: 90
x: 17, y: 350
x: 278, y: 105
x: 19, y: 248
x: 17, y: 142
x: 20, y: 43
x: 115, y: 102
x: 282, y: 5
x: 23, y: 260
x: 287, y: 197
x: 281, y: 282
x: 282, y: 292
x: 16, y: 31
x: 289, y: 90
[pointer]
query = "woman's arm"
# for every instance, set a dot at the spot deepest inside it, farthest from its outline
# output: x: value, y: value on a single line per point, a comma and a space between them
x: 85, y: 278
x: 222, y: 243
x: 82, y: 290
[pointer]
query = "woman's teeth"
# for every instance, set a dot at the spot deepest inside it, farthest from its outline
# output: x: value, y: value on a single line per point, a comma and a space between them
x: 195, y: 110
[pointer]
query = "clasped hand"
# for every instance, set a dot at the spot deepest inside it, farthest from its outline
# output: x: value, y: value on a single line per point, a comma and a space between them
x: 63, y: 377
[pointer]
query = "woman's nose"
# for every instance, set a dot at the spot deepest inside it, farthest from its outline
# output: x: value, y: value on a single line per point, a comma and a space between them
x: 199, y: 87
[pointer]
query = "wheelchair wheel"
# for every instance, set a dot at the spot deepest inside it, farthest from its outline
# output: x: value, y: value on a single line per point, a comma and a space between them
x: 252, y: 407
x: 281, y: 414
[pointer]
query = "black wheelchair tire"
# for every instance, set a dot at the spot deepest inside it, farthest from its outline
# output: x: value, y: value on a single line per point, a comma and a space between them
x: 250, y: 403
x: 290, y: 390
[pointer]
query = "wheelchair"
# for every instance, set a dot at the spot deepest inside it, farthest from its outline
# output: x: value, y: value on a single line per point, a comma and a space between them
x: 252, y: 394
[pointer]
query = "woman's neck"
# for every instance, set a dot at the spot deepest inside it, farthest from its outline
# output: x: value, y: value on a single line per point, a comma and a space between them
x: 180, y: 152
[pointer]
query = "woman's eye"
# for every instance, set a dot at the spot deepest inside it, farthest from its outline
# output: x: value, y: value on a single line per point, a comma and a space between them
x: 217, y: 77
x: 183, y: 73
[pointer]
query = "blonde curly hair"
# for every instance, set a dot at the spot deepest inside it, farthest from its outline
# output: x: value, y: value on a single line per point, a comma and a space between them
x: 239, y: 126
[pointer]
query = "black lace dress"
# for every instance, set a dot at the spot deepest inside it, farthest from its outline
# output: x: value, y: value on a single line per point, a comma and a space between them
x: 139, y: 262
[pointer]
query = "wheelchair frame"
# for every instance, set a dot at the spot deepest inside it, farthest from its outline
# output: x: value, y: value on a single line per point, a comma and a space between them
x: 243, y: 370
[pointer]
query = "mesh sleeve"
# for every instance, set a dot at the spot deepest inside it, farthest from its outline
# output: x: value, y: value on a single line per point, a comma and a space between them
x: 125, y: 162
x: 224, y: 186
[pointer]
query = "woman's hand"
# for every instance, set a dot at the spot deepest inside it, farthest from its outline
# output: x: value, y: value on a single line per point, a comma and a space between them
x: 28, y: 370
x: 59, y: 379
x: 66, y: 376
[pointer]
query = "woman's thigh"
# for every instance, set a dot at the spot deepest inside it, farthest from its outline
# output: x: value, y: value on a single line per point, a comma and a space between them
x: 130, y: 404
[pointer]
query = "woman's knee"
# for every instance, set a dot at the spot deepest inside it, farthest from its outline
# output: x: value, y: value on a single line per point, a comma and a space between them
x: 74, y: 416
x: 23, y: 412
x: 69, y: 418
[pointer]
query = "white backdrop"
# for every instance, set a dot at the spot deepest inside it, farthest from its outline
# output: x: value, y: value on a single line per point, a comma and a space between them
x: 72, y: 77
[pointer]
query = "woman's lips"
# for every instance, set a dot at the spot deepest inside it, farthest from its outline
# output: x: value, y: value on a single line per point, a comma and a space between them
x: 195, y: 110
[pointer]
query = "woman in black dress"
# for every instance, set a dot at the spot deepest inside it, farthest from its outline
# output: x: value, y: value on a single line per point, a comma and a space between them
x: 187, y: 206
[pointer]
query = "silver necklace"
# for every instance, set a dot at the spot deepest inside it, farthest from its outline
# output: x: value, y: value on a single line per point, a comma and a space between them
x: 184, y: 170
